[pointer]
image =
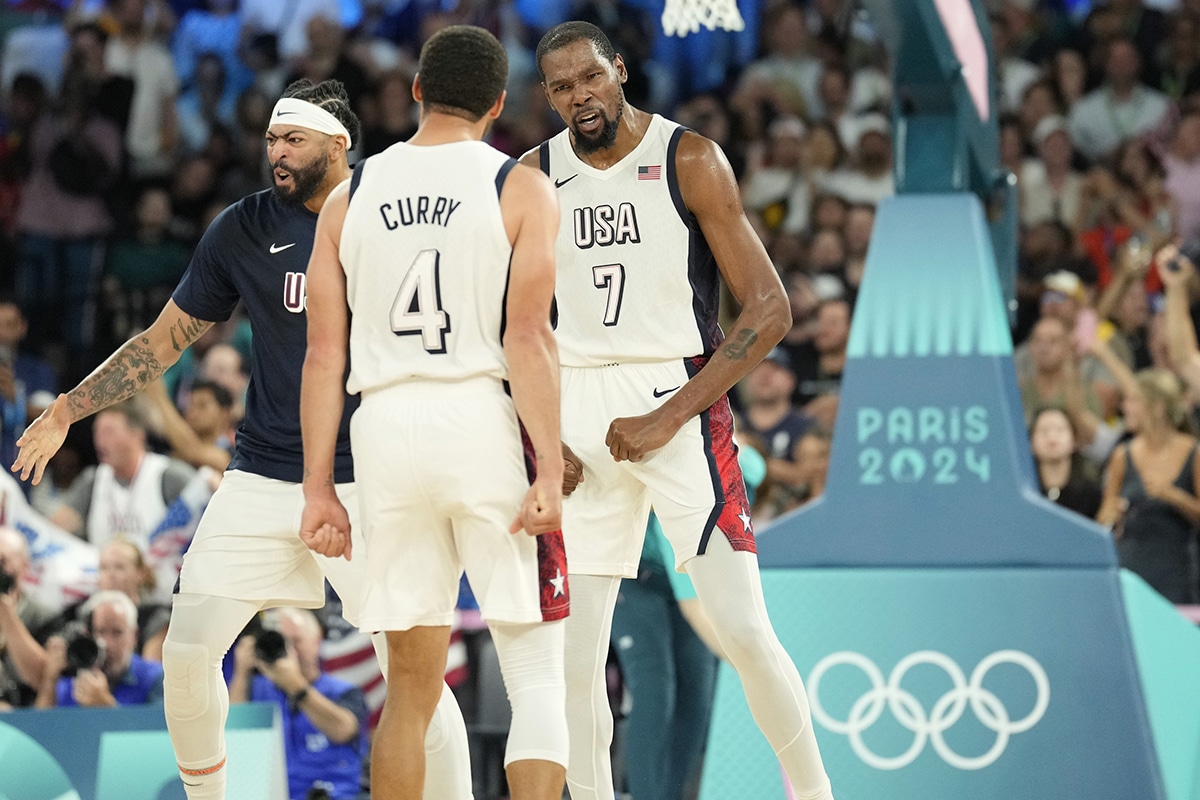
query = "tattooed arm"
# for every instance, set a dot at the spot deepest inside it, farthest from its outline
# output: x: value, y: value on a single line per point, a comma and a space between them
x: 138, y: 362
x: 710, y: 192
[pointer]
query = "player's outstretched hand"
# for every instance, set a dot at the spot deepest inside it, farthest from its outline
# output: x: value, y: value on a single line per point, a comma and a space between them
x: 42, y: 439
x: 634, y: 438
x: 325, y: 527
x: 572, y: 471
x: 541, y: 510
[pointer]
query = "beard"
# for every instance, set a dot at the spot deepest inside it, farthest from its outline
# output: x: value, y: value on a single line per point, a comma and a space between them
x: 306, y: 180
x: 603, y: 138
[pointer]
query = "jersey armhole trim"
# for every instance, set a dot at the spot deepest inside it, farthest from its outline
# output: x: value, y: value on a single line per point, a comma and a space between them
x: 673, y: 177
x: 544, y: 157
x: 356, y: 178
x: 502, y: 175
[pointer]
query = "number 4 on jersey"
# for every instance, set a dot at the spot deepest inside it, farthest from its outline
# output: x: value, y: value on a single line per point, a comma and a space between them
x: 417, y: 309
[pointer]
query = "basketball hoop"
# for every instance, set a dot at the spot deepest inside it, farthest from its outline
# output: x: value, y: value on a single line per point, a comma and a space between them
x: 681, y: 17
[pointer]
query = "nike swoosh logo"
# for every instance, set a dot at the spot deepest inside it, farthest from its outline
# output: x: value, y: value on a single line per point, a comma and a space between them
x: 558, y: 184
x: 665, y: 392
x: 281, y: 248
x: 285, y: 113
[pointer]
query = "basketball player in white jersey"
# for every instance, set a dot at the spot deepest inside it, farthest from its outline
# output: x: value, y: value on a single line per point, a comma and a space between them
x: 436, y: 264
x: 651, y: 219
x: 247, y: 554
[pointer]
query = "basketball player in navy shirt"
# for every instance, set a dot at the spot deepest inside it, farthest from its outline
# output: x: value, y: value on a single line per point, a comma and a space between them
x: 247, y: 553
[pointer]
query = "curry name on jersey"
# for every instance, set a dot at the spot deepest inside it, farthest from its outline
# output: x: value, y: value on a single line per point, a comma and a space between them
x: 426, y: 257
x: 636, y: 281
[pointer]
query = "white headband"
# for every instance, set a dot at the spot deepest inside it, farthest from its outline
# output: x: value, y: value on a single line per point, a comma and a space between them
x: 290, y: 110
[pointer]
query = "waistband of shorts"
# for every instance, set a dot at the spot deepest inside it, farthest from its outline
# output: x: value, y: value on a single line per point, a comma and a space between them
x: 630, y: 366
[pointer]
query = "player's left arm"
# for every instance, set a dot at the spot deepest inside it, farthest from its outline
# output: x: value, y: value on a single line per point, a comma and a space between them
x: 710, y: 192
x: 325, y: 526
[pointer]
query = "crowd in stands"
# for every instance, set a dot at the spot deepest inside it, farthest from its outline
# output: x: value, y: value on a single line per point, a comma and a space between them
x: 127, y: 126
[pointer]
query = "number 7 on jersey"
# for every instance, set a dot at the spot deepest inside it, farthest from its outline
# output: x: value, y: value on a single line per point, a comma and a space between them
x: 417, y: 309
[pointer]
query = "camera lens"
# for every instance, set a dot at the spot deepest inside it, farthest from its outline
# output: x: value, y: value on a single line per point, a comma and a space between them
x: 83, y: 653
x: 270, y: 646
x: 7, y: 582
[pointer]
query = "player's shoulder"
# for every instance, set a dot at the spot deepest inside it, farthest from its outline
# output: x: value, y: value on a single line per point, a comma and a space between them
x: 248, y: 212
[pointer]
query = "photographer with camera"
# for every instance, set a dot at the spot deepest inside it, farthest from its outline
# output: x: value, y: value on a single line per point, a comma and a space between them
x: 25, y: 624
x: 98, y: 667
x: 324, y: 718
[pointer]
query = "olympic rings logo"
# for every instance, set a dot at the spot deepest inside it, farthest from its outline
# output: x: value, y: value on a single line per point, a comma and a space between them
x: 946, y: 711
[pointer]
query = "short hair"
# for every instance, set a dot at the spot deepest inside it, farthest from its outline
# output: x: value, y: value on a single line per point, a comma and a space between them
x: 331, y: 96
x: 222, y: 395
x: 111, y: 597
x: 463, y: 71
x: 130, y: 411
x: 567, y: 33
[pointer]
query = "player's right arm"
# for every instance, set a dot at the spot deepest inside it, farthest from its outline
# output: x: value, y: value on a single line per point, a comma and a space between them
x: 137, y: 363
x: 530, y: 209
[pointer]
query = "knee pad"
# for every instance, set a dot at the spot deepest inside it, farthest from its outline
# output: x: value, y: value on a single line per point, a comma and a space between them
x: 186, y: 680
x: 539, y: 725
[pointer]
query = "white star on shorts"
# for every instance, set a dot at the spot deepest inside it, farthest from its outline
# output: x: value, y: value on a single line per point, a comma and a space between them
x: 745, y: 518
x: 557, y: 582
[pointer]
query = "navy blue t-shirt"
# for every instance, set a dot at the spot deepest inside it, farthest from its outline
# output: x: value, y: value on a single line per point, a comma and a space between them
x: 257, y: 251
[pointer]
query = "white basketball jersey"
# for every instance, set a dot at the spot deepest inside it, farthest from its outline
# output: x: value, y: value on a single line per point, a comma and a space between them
x: 636, y: 279
x: 426, y: 260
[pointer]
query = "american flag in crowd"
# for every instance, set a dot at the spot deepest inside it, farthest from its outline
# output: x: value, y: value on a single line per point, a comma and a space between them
x: 650, y: 173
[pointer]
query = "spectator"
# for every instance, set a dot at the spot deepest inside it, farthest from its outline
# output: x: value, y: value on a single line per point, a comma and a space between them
x: 119, y: 677
x: 856, y: 233
x: 206, y: 105
x: 215, y: 28
x: 870, y: 179
x: 784, y: 81
x: 153, y: 132
x: 1065, y: 298
x: 203, y: 435
x: 812, y: 456
x: 1152, y: 494
x: 395, y: 114
x: 1013, y: 72
x: 1052, y: 378
x: 1064, y: 476
x: 223, y: 364
x: 127, y: 495
x: 1124, y: 310
x: 27, y: 383
x: 819, y: 366
x: 143, y: 269
x: 1068, y: 72
x: 1176, y: 70
x: 326, y: 59
x: 771, y: 417
x: 75, y: 155
x: 1049, y: 185
x: 775, y: 186
x: 1182, y: 164
x: 1120, y: 109
x: 123, y: 569
x: 324, y: 718
x: 1040, y: 101
x: 287, y: 23
x: 25, y: 624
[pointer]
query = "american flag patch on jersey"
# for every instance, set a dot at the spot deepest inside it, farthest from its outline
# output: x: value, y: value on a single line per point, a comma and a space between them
x: 650, y: 173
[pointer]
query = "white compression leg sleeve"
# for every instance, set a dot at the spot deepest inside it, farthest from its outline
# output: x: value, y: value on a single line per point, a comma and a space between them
x: 195, y: 698
x: 589, y: 718
x: 730, y: 590
x: 447, y: 751
x: 531, y: 661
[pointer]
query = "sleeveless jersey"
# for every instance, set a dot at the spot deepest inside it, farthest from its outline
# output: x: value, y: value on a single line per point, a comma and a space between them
x: 426, y: 260
x: 636, y: 279
x: 128, y: 512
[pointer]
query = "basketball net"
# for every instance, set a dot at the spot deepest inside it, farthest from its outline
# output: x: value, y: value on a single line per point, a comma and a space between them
x: 681, y: 17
